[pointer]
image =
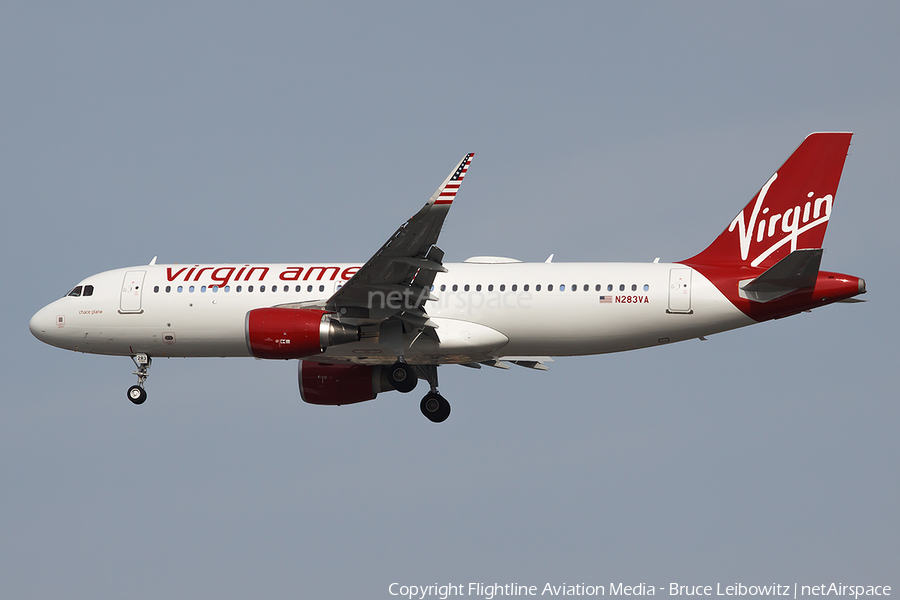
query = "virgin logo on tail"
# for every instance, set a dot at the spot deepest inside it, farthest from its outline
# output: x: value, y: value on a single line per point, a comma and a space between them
x: 796, y: 201
x: 811, y: 215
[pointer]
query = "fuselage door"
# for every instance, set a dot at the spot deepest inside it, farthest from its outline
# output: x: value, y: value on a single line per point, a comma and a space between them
x: 680, y: 290
x: 132, y: 287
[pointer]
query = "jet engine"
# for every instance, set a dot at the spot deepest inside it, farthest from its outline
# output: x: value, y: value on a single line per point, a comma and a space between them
x: 322, y: 383
x: 294, y: 332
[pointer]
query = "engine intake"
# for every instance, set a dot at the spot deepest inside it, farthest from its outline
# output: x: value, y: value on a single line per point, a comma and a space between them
x: 284, y: 333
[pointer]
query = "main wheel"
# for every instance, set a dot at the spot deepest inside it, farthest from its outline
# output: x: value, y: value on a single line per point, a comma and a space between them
x: 402, y: 377
x: 137, y: 394
x: 435, y: 408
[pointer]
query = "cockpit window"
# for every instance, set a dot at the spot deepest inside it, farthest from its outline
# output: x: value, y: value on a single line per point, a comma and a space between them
x: 76, y: 291
x: 88, y: 290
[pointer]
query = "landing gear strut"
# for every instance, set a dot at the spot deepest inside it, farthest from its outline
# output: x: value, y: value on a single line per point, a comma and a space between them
x: 434, y: 406
x: 137, y: 393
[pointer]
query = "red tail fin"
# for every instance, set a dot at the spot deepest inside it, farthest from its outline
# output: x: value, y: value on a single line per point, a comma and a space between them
x: 790, y: 212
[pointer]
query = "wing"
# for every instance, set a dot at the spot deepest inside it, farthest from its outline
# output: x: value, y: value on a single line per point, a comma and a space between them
x: 396, y: 281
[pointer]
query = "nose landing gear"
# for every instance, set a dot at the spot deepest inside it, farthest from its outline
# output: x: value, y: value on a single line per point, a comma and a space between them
x: 137, y: 393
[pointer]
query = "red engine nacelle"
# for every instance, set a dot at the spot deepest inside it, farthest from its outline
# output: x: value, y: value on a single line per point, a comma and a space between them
x: 322, y: 383
x: 294, y: 332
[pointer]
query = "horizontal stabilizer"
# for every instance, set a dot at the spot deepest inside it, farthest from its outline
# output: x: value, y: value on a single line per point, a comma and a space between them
x: 796, y: 271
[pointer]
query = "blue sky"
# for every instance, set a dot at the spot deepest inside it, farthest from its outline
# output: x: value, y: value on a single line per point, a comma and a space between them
x: 206, y: 132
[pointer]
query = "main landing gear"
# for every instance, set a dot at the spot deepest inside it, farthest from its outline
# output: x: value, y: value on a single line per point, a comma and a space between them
x: 435, y: 407
x: 404, y: 377
x: 137, y: 393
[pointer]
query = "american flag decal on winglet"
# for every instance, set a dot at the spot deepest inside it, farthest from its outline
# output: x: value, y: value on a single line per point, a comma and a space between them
x: 447, y: 194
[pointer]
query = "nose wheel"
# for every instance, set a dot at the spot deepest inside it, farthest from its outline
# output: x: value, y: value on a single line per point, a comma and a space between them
x: 137, y: 393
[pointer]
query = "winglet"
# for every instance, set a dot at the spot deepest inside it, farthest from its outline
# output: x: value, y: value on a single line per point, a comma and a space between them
x: 447, y: 191
x: 409, y: 259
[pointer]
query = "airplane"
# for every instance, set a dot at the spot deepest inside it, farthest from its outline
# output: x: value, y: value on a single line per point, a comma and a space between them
x: 359, y: 330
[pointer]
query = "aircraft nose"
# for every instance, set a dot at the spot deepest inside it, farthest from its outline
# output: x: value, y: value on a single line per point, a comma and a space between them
x: 42, y: 323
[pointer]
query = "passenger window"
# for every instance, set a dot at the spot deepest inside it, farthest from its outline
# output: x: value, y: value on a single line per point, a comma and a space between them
x: 609, y: 288
x: 646, y: 287
x: 455, y: 287
x: 514, y: 286
x: 587, y: 287
x: 524, y: 287
x: 478, y: 288
x: 321, y: 288
x: 249, y: 288
x: 633, y: 287
x: 466, y: 288
x: 491, y: 287
x: 562, y: 287
x: 287, y: 288
x: 537, y: 288
x: 574, y: 287
x: 180, y: 289
x: 502, y: 287
x: 443, y: 287
x: 262, y: 288
x: 202, y: 288
x: 168, y: 289
x: 550, y: 287
x: 214, y: 288
x: 155, y: 289
x: 238, y: 289
x: 597, y: 287
x: 191, y: 289
x: 76, y: 292
x: 227, y: 288
x: 621, y: 287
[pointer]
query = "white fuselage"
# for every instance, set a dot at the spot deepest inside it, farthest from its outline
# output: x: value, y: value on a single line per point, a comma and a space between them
x: 482, y: 310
